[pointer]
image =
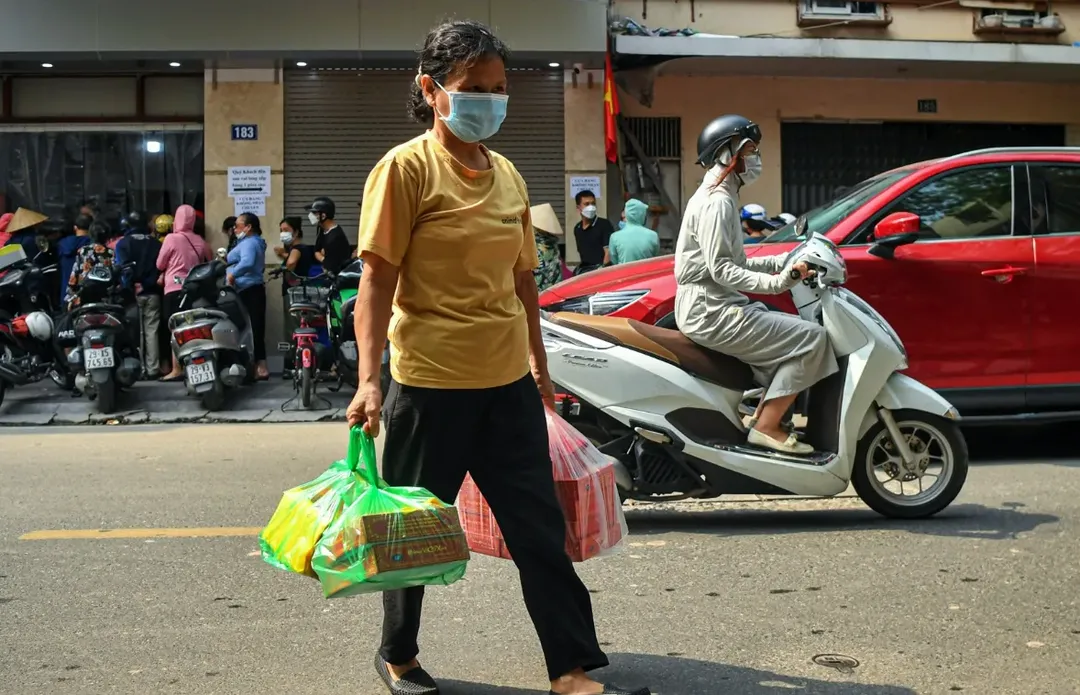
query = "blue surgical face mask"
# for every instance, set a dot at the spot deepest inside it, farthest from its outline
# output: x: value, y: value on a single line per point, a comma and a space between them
x: 622, y: 224
x: 474, y: 116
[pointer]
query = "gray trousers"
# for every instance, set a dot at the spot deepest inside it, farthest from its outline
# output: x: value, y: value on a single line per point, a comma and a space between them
x: 150, y: 315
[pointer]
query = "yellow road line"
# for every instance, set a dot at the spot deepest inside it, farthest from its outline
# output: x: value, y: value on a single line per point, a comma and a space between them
x: 114, y: 533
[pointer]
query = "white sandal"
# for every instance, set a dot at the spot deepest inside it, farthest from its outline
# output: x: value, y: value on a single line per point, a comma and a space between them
x: 791, y: 445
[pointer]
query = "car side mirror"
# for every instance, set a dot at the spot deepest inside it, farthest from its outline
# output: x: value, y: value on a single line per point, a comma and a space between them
x: 898, y: 229
x: 800, y: 226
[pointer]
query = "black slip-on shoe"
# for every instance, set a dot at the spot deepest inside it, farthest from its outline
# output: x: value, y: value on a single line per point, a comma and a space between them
x: 415, y: 682
x: 615, y: 690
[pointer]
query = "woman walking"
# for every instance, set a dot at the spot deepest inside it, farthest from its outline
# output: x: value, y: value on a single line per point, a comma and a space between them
x: 181, y: 251
x: 468, y: 359
x: 247, y: 263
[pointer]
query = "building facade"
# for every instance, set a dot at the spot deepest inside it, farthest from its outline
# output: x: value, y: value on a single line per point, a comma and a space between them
x: 845, y: 90
x: 146, y: 106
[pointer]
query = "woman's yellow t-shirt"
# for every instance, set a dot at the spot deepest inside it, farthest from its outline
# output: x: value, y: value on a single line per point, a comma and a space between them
x: 459, y: 236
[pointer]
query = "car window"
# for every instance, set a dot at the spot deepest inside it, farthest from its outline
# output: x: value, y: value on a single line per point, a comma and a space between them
x: 1055, y: 204
x: 965, y: 204
x: 824, y: 218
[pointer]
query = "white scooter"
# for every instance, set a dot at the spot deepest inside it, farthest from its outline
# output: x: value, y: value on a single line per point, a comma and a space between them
x: 668, y: 409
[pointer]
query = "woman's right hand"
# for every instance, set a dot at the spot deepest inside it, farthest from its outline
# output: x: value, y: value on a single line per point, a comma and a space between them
x: 803, y: 270
x: 366, y: 408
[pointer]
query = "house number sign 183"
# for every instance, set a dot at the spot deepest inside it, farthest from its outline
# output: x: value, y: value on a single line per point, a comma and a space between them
x: 245, y: 132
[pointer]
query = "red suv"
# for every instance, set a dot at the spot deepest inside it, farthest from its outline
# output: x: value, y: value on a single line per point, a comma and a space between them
x: 971, y: 259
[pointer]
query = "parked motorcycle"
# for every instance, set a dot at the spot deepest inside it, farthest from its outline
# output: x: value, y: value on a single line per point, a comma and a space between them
x: 342, y: 327
x: 30, y: 348
x: 309, y: 303
x: 668, y: 409
x: 107, y: 325
x: 212, y: 336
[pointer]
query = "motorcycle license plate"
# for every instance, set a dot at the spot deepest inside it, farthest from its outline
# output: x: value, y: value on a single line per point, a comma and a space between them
x: 99, y: 358
x: 201, y: 373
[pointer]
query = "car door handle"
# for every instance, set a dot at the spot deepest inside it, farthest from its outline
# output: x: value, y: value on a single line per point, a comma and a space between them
x: 1004, y: 275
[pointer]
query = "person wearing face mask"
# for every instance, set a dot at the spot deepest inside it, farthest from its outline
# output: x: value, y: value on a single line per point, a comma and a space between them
x: 331, y: 245
x: 592, y: 234
x: 447, y: 240
x: 788, y: 354
x: 297, y: 258
x: 634, y: 241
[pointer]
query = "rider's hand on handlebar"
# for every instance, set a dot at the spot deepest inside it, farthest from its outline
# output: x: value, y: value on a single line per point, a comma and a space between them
x: 804, y: 270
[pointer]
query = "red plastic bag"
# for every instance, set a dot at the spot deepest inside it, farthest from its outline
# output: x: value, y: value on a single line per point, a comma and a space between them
x: 585, y: 486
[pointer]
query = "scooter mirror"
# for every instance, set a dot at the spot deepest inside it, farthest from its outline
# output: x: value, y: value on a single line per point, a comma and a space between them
x: 221, y: 254
x: 800, y: 226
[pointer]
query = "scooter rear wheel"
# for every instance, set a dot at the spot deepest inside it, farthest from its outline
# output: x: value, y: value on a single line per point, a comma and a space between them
x: 307, y: 385
x: 214, y: 399
x: 886, y: 486
x: 106, y: 396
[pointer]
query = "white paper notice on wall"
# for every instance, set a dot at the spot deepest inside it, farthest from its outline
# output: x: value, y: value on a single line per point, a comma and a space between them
x: 255, y: 204
x: 249, y: 181
x: 585, y: 183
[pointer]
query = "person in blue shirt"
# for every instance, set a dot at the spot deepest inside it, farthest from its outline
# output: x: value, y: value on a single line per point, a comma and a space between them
x: 756, y: 223
x: 246, y: 272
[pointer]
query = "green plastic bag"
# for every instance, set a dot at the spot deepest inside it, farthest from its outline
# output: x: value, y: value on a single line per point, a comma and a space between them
x: 303, y: 515
x: 388, y: 537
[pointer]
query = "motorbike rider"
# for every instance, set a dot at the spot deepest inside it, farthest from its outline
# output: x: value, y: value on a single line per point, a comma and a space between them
x: 787, y: 354
x: 332, y: 248
x: 756, y: 224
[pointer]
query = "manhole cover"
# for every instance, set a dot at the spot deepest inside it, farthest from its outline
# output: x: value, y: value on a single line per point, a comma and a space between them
x: 843, y: 664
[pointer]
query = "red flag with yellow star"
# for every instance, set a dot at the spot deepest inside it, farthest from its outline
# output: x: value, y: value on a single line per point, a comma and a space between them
x: 611, y: 109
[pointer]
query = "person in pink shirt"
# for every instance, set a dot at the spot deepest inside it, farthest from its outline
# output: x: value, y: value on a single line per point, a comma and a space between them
x: 180, y: 252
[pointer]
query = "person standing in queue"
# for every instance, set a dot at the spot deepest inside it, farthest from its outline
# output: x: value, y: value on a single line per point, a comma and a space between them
x: 332, y: 248
x: 139, y: 246
x: 180, y: 252
x: 470, y: 376
x: 592, y: 234
x: 247, y: 263
x: 68, y: 248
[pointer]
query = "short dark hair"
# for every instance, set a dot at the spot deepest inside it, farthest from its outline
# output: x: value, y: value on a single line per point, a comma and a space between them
x: 582, y: 195
x: 83, y: 222
x: 100, y: 232
x: 295, y: 223
x: 448, y: 47
x: 252, y: 219
x: 228, y: 224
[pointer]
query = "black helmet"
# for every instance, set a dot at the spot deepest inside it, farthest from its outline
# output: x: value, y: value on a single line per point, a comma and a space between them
x: 137, y: 221
x: 721, y: 131
x: 324, y: 205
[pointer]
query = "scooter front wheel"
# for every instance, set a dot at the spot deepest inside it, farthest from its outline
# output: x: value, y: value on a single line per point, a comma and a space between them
x: 929, y: 484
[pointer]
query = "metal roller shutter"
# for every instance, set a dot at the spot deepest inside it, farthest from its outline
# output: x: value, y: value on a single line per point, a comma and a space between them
x: 339, y: 123
x: 820, y: 158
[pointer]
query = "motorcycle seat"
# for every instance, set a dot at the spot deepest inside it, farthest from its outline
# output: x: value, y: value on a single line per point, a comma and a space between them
x: 668, y: 345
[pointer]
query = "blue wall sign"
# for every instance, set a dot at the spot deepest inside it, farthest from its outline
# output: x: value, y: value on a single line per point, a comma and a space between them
x: 245, y: 132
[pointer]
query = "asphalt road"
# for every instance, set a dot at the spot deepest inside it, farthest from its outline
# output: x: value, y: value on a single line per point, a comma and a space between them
x: 705, y: 599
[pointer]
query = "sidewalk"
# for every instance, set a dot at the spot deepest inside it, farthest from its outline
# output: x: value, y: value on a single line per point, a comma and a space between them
x: 154, y: 402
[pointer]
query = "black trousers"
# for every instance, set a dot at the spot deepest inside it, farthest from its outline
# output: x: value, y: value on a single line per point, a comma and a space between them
x: 499, y: 435
x: 254, y: 299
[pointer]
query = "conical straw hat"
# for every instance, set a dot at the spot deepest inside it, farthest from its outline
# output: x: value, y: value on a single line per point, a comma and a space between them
x: 24, y: 218
x: 545, y: 219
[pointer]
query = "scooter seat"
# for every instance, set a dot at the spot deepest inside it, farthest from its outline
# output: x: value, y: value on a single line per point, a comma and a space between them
x: 665, y: 344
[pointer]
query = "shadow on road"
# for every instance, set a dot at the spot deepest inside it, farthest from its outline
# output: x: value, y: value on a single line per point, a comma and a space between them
x: 1051, y: 444
x: 671, y: 675
x: 960, y: 520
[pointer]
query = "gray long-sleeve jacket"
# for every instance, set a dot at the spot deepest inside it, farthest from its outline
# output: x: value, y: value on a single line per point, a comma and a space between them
x: 710, y: 251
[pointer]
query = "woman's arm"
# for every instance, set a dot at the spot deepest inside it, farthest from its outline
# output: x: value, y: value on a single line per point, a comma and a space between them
x: 766, y: 264
x: 292, y: 260
x: 525, y: 286
x: 374, y: 300
x: 719, y: 223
